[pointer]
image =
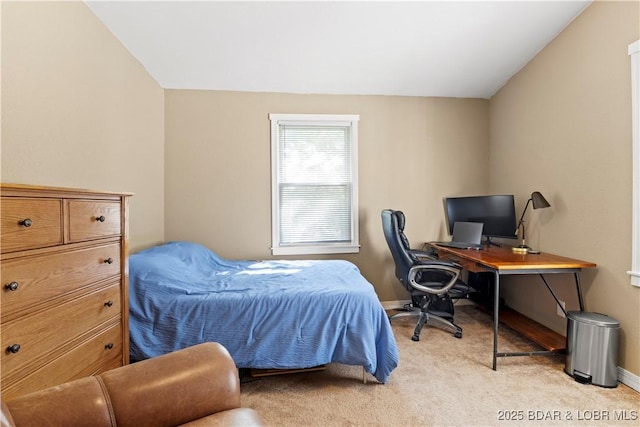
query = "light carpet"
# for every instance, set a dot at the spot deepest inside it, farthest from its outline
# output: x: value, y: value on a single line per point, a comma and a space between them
x: 444, y: 381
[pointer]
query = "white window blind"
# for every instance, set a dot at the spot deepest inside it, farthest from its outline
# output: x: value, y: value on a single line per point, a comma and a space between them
x: 314, y: 176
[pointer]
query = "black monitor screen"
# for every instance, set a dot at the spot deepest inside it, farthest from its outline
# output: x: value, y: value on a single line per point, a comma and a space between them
x: 497, y: 212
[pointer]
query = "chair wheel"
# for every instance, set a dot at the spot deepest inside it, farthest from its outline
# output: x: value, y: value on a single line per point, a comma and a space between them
x: 457, y: 334
x: 415, y: 338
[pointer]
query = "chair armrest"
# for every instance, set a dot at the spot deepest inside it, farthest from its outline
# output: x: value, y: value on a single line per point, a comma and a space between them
x: 441, y: 263
x: 452, y: 270
x: 423, y: 255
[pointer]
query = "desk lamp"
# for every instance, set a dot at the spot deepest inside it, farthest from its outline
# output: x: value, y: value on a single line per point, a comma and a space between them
x: 539, y: 202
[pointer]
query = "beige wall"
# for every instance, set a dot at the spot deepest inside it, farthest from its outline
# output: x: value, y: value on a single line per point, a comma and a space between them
x: 79, y: 111
x: 218, y: 182
x: 562, y: 126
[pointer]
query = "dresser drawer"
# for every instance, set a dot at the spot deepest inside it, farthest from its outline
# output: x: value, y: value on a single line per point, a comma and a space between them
x: 30, y: 223
x: 99, y: 354
x: 36, y: 337
x: 91, y: 219
x: 63, y: 280
x: 42, y: 278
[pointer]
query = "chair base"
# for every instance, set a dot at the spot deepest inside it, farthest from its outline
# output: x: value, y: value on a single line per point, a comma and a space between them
x: 427, y: 318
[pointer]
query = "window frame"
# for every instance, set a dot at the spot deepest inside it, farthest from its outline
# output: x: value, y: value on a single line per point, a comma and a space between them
x: 634, y: 53
x: 350, y: 120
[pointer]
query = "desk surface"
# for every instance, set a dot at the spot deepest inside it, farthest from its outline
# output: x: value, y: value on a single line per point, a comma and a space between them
x: 503, y: 259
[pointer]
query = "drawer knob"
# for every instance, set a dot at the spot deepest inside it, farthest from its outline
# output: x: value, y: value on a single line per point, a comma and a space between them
x: 14, y: 348
x: 26, y: 222
x: 13, y: 286
x: 108, y: 303
x: 109, y: 346
x: 108, y: 261
x: 101, y: 218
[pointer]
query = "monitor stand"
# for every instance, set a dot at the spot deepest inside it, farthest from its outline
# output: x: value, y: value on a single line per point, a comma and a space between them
x: 490, y: 242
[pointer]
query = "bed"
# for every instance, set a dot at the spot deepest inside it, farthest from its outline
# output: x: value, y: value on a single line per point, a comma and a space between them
x: 268, y: 314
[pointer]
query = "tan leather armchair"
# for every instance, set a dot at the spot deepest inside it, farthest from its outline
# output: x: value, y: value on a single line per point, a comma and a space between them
x: 197, y: 386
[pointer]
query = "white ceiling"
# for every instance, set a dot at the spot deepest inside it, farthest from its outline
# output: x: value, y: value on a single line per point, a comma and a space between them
x: 414, y: 48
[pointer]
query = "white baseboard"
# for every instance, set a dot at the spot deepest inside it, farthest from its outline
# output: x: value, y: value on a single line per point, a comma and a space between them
x: 629, y: 379
x: 625, y: 377
x: 390, y: 305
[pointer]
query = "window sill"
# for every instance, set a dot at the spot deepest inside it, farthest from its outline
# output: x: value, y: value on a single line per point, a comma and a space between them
x: 316, y: 250
x: 635, y: 277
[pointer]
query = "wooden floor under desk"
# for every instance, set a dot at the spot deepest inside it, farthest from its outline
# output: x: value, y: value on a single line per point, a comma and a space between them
x: 540, y: 334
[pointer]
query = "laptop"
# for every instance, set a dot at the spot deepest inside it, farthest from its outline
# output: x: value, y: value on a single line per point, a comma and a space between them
x: 466, y: 235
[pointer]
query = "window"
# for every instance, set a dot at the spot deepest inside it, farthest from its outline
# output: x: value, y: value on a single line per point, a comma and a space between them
x: 634, y: 52
x: 314, y: 174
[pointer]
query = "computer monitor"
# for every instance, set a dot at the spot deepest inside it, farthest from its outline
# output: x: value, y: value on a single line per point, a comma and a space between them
x: 496, y: 212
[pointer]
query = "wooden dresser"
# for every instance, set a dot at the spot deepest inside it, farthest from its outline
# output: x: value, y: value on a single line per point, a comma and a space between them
x: 64, y: 277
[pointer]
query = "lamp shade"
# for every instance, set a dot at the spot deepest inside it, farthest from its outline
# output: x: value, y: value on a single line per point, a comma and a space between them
x: 538, y: 200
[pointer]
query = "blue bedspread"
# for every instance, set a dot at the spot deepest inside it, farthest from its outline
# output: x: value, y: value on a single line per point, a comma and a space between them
x: 268, y: 314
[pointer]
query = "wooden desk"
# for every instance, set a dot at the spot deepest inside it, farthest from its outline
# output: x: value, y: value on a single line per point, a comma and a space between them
x: 503, y: 261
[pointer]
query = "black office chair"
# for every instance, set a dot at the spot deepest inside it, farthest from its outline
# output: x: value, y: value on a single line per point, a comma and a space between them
x: 432, y: 283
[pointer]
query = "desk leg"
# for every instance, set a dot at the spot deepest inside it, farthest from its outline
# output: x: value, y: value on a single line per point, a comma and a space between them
x: 496, y: 319
x: 553, y: 294
x: 577, y: 276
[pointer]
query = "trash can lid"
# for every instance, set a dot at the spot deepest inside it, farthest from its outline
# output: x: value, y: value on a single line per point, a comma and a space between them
x: 596, y: 319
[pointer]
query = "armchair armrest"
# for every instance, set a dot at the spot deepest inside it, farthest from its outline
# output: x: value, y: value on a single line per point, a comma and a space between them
x: 174, y: 388
x: 198, y: 385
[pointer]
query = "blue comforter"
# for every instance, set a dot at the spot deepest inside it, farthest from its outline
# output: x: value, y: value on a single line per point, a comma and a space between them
x: 268, y: 314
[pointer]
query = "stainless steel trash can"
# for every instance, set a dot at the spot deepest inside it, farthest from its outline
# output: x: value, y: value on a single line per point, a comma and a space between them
x: 592, y: 348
